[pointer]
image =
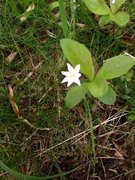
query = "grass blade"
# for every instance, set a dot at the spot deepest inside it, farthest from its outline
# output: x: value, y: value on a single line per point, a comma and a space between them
x: 28, y: 177
x: 63, y: 19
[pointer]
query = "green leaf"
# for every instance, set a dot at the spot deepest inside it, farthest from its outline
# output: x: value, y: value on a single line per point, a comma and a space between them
x: 64, y: 20
x: 120, y: 18
x: 97, y: 6
x: 98, y: 87
x: 115, y: 7
x: 109, y: 98
x: 77, y: 53
x: 75, y: 95
x: 104, y: 20
x: 53, y: 5
x: 116, y: 67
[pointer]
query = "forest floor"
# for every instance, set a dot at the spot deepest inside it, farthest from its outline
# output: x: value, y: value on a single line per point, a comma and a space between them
x: 39, y: 136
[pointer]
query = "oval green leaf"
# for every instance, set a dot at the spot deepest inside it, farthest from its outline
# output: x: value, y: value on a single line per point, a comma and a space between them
x: 77, y: 53
x: 97, y: 6
x: 98, y: 87
x: 115, y: 6
x: 120, y: 18
x: 109, y: 98
x: 75, y: 95
x: 116, y: 67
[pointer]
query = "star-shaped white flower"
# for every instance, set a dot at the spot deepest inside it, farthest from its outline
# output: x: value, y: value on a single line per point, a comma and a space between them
x: 72, y: 75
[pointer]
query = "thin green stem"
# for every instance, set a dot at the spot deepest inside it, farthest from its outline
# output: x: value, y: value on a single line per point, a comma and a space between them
x: 63, y: 18
x: 72, y: 4
x: 88, y: 113
x: 28, y: 177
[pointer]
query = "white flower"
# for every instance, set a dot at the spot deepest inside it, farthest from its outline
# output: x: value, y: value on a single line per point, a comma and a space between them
x: 72, y: 75
x: 113, y: 1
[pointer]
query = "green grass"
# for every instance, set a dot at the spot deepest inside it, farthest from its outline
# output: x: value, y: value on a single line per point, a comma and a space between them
x: 40, y: 97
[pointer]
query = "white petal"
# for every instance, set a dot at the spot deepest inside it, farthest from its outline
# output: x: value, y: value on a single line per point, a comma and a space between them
x: 66, y: 79
x: 70, y: 68
x: 65, y: 73
x: 78, y: 75
x: 77, y: 81
x: 77, y: 68
x: 69, y: 82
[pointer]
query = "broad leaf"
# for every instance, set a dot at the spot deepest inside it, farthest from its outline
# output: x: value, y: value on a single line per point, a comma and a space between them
x: 98, y: 87
x: 97, y: 6
x: 77, y: 53
x: 115, y: 7
x: 109, y: 98
x: 120, y: 18
x: 116, y: 67
x: 104, y: 20
x: 75, y: 95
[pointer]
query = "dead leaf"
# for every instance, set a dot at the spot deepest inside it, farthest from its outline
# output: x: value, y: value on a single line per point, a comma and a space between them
x: 128, y: 38
x: 51, y: 34
x: 23, y: 18
x: 118, y: 152
x: 11, y: 57
x: 11, y: 93
x: 80, y: 110
x: 30, y: 8
x: 119, y: 155
x: 12, y: 101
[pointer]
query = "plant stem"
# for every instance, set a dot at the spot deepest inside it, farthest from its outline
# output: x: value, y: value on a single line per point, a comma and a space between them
x: 63, y: 18
x: 88, y: 114
x: 72, y: 4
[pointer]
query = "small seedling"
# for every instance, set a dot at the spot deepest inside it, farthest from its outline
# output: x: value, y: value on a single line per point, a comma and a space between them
x: 96, y: 83
x: 108, y: 14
